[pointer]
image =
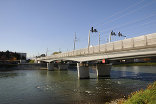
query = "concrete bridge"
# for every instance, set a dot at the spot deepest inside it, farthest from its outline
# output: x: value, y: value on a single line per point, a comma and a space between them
x: 142, y: 46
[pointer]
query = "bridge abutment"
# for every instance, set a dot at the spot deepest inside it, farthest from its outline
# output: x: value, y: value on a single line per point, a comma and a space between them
x: 50, y: 66
x: 83, y: 71
x: 103, y: 70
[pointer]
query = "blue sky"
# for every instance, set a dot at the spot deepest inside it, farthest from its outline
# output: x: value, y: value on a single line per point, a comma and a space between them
x: 32, y: 26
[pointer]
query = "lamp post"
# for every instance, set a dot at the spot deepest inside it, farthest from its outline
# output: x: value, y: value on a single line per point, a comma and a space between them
x: 92, y: 30
x: 75, y: 39
x: 88, y: 40
x: 110, y: 36
x: 99, y: 41
x: 121, y: 35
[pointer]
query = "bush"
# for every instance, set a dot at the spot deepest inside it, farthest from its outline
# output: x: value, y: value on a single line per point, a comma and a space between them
x: 147, y: 96
x: 31, y: 61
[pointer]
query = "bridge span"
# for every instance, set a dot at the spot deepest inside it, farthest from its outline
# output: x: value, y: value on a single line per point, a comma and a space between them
x: 142, y: 46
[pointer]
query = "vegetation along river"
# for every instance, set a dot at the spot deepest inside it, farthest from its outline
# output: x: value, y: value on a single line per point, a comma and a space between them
x: 63, y: 87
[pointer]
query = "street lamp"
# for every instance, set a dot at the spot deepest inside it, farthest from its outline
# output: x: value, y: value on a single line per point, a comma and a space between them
x: 121, y: 35
x: 112, y: 34
x: 92, y: 30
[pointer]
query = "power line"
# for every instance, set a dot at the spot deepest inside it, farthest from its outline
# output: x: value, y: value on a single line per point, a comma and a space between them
x: 121, y: 11
x: 127, y: 13
x: 95, y: 37
x: 141, y: 33
x: 128, y: 23
x: 145, y: 24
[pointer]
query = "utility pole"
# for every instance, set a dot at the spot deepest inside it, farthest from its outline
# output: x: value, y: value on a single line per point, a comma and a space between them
x: 99, y: 41
x: 110, y: 38
x: 47, y: 52
x: 88, y: 40
x: 75, y: 39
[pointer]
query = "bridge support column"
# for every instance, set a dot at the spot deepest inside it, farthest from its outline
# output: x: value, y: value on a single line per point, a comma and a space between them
x: 83, y: 71
x: 50, y: 66
x: 63, y: 66
x: 103, y: 70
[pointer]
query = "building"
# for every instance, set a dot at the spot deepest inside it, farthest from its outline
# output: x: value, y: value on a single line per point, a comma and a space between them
x: 23, y: 56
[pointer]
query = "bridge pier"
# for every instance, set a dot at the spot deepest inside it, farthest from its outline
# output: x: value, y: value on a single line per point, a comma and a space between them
x: 50, y: 66
x: 83, y: 71
x: 63, y: 66
x: 103, y: 70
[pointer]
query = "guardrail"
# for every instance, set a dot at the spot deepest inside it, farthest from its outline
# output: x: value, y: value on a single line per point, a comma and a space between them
x: 127, y: 44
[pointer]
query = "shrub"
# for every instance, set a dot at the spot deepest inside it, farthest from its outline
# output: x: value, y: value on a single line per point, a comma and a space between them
x: 147, y: 96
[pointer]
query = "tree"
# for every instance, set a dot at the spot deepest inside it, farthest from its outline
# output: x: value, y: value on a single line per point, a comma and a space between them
x: 54, y: 53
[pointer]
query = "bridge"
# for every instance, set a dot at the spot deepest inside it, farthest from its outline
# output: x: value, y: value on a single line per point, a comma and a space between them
x: 142, y: 46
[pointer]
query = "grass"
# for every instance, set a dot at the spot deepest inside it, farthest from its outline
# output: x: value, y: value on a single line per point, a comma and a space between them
x: 147, y: 96
x: 31, y: 61
x: 136, y: 64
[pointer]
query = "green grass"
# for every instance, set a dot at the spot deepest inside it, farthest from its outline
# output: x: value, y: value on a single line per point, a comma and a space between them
x: 31, y: 61
x: 136, y: 64
x: 147, y: 96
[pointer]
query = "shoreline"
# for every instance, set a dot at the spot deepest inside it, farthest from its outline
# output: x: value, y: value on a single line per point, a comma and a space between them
x: 139, y: 96
x: 135, y: 64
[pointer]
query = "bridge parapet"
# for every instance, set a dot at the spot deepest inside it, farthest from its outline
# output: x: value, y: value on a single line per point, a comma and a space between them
x: 127, y: 43
x: 110, y: 46
x: 118, y: 45
x: 151, y: 39
x: 97, y: 49
x: 140, y: 42
x: 103, y: 48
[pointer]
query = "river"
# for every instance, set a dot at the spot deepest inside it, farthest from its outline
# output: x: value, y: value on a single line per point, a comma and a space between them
x: 63, y: 87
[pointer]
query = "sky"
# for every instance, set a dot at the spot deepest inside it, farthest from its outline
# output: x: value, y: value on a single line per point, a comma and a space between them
x: 33, y: 26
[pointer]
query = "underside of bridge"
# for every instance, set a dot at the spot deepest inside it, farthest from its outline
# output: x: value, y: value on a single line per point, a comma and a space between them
x: 103, y: 66
x: 137, y: 49
x: 103, y: 70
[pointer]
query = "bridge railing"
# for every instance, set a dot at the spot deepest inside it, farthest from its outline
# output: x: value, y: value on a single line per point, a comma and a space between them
x: 127, y: 44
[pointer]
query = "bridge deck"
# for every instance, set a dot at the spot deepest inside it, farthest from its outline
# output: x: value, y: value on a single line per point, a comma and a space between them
x: 137, y: 46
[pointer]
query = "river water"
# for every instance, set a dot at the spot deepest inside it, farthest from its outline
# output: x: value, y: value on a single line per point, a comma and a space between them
x: 63, y: 87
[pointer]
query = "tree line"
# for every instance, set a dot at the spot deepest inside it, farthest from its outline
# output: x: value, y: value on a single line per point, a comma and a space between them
x: 10, y: 56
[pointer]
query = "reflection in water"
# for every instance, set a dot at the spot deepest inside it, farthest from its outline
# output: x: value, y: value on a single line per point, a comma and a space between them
x: 143, y: 73
x: 136, y: 70
x: 57, y: 87
x: 8, y: 75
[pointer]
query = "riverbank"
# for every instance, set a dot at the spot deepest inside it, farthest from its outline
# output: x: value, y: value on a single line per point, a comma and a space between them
x: 4, y: 67
x: 22, y: 66
x: 147, y: 96
x: 136, y: 64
